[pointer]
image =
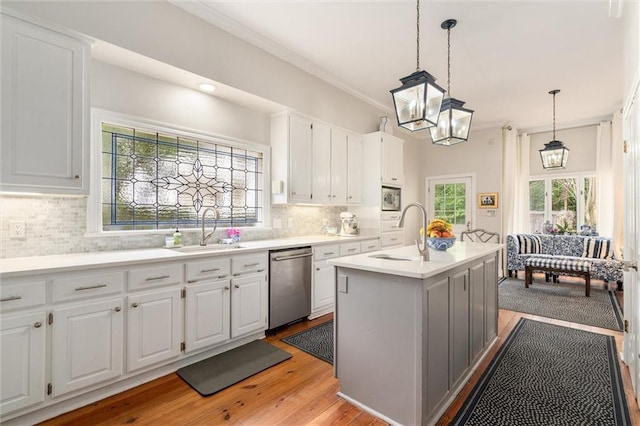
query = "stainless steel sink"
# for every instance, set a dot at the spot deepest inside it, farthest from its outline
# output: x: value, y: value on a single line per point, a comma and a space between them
x: 207, y: 248
x: 386, y: 256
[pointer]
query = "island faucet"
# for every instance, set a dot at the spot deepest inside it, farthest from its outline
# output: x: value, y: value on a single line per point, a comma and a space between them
x: 216, y: 216
x: 424, y: 250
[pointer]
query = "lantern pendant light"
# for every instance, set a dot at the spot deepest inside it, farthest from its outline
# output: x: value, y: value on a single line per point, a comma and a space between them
x: 418, y: 100
x: 454, y: 122
x: 554, y: 155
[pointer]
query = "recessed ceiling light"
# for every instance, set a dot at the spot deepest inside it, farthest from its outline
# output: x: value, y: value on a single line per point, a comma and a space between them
x: 207, y: 87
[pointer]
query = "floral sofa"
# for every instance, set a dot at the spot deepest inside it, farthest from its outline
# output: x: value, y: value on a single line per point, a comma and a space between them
x: 598, y: 250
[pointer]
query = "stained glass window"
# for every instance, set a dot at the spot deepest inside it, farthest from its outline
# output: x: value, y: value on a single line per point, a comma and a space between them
x: 153, y: 180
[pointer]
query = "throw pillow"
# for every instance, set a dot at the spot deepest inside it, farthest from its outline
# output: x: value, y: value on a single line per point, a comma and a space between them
x: 529, y: 244
x: 598, y: 249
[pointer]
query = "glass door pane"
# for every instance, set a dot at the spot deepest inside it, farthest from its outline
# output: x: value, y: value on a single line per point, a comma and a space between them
x: 536, y: 205
x: 590, y: 202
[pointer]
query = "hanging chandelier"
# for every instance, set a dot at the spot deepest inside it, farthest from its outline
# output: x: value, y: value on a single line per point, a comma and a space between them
x: 454, y: 122
x: 418, y: 100
x: 554, y: 155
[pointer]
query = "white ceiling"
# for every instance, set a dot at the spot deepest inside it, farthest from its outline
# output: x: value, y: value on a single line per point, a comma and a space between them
x: 506, y: 55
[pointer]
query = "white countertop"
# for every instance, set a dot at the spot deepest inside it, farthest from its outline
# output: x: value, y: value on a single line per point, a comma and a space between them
x: 21, y: 266
x: 440, y: 261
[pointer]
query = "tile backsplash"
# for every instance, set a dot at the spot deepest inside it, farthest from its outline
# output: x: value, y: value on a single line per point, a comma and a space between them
x: 57, y: 225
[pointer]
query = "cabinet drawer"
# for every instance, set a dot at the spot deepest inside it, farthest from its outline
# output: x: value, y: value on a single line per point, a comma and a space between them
x: 326, y: 252
x: 155, y: 276
x: 90, y: 285
x: 389, y: 225
x: 349, y: 249
x: 22, y: 295
x: 208, y: 269
x: 390, y: 239
x: 390, y: 216
x: 251, y: 263
x: 370, y: 245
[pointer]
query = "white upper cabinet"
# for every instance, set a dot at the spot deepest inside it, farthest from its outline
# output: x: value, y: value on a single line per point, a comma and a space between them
x: 45, y: 109
x: 392, y: 160
x: 354, y: 169
x: 322, y: 163
x: 338, y: 166
x: 291, y: 163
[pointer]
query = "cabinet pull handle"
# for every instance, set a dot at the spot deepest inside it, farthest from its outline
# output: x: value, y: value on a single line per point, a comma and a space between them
x: 351, y: 249
x: 329, y: 196
x: 260, y: 270
x: 162, y: 277
x: 226, y: 287
x: 317, y: 269
x: 394, y: 178
x: 209, y: 270
x: 247, y: 265
x: 37, y: 324
x: 350, y: 197
x: 293, y: 193
x: 91, y: 287
x: 76, y: 177
x: 327, y: 253
x: 236, y: 286
x: 333, y: 196
x: 222, y: 276
x: 117, y: 309
x: 134, y: 305
x: 394, y: 239
x: 10, y: 298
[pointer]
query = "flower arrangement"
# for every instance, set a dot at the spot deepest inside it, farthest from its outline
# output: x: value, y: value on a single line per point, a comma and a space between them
x: 234, y: 234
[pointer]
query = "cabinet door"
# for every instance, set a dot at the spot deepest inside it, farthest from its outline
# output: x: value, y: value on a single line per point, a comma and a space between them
x: 437, y: 338
x: 22, y: 358
x: 354, y: 169
x: 321, y: 163
x: 44, y: 110
x: 459, y: 287
x: 338, y: 167
x: 300, y: 166
x: 207, y: 314
x: 324, y: 279
x: 491, y: 298
x: 249, y: 304
x: 392, y: 160
x: 86, y: 345
x: 154, y: 328
x: 477, y: 308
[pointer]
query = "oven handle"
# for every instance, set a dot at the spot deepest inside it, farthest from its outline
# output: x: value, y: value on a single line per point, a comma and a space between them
x: 294, y: 256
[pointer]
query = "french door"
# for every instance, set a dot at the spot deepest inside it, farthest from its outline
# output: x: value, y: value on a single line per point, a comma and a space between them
x: 451, y: 198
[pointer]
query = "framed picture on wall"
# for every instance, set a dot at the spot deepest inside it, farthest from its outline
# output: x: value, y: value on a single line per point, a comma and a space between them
x: 487, y: 200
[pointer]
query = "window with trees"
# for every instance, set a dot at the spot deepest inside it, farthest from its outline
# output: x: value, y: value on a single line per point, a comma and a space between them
x: 164, y: 179
x: 565, y: 202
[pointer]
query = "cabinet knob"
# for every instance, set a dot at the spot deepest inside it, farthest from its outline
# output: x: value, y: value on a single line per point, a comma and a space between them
x: 117, y: 309
x: 38, y: 324
x: 293, y: 193
x: 236, y: 286
x: 317, y: 269
x: 226, y: 287
x: 135, y: 305
x: 394, y: 178
x: 76, y: 177
x: 350, y: 197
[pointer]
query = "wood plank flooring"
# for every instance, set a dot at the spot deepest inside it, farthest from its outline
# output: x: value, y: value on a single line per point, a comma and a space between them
x: 299, y: 391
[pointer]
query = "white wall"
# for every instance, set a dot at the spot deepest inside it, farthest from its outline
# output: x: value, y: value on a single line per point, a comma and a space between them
x: 581, y: 142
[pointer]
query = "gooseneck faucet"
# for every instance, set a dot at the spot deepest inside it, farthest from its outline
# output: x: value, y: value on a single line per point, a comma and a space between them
x: 216, y: 216
x: 424, y: 250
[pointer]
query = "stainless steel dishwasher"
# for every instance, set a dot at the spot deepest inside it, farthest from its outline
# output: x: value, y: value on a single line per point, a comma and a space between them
x: 289, y: 285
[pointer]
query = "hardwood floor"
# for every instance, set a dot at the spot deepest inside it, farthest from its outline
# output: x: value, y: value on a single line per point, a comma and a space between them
x: 299, y: 391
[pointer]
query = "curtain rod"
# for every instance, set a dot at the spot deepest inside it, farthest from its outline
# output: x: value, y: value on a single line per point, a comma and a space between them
x: 567, y: 126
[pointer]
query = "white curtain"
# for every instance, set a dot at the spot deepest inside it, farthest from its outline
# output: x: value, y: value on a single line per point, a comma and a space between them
x: 605, y: 187
x: 515, y: 182
x: 617, y: 176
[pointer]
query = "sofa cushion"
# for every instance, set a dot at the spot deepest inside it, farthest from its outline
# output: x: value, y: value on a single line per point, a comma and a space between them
x: 597, y: 248
x: 529, y: 244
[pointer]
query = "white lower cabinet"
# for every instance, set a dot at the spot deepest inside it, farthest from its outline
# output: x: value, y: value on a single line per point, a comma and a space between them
x: 154, y: 326
x: 22, y: 361
x: 87, y: 345
x: 249, y: 304
x: 208, y: 310
x: 323, y: 295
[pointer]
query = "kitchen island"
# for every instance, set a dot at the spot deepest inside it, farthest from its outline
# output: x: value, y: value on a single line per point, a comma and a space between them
x: 409, y: 332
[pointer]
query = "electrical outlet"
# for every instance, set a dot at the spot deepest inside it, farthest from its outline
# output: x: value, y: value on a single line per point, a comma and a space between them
x: 17, y: 230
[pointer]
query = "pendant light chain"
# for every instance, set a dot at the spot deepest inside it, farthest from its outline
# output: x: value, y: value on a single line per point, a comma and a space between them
x: 417, y: 35
x: 554, y: 116
x: 449, y: 62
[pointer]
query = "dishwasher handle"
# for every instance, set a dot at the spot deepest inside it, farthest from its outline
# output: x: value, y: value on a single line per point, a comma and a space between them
x: 294, y: 256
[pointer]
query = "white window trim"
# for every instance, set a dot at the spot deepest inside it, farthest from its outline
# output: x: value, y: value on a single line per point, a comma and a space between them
x: 428, y: 203
x: 94, y: 201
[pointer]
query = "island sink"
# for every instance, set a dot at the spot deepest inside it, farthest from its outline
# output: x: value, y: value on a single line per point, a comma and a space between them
x: 387, y: 256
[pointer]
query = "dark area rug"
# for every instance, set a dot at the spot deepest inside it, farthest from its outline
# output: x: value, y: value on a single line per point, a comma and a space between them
x: 223, y: 370
x: 562, y: 301
x: 546, y: 374
x: 317, y: 341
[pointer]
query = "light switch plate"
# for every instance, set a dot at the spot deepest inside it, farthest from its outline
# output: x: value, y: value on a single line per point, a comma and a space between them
x: 343, y: 284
